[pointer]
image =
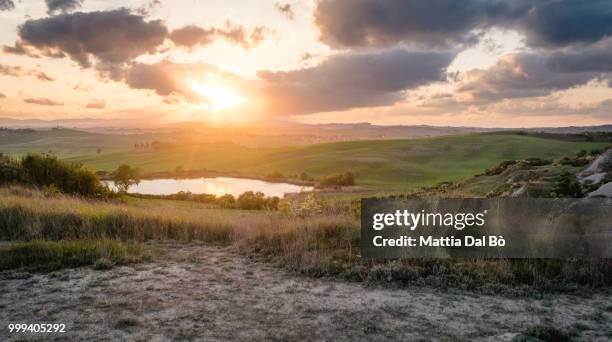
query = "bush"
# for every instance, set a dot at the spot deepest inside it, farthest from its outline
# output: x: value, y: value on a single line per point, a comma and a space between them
x: 256, y: 201
x: 567, y: 186
x: 499, y: 168
x: 341, y: 179
x: 578, y: 161
x: 536, y: 162
x: 275, y: 175
x: 44, y: 171
x: 542, y: 333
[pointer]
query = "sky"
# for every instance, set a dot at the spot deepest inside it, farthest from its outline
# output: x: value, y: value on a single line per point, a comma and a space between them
x: 491, y: 63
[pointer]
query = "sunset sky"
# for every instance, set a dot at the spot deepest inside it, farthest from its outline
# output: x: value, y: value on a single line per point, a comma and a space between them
x: 442, y: 62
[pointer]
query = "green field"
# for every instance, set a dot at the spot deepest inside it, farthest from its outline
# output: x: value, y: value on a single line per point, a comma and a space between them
x: 383, y: 164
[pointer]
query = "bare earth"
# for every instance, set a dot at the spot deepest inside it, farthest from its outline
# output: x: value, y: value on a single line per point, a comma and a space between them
x: 200, y: 292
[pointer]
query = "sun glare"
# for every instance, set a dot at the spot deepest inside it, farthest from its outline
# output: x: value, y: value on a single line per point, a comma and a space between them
x: 220, y: 97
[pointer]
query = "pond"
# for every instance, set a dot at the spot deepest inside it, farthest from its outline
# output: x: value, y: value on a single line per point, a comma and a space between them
x: 217, y: 186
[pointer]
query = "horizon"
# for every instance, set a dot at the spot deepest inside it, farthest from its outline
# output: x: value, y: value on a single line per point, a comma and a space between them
x: 85, y: 122
x: 218, y: 63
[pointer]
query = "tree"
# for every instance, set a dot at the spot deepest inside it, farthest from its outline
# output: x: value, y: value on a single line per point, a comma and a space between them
x: 341, y: 179
x: 126, y: 176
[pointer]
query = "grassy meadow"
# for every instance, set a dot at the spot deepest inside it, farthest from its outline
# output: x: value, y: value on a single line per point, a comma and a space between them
x: 380, y: 164
x: 322, y: 240
x: 316, y: 234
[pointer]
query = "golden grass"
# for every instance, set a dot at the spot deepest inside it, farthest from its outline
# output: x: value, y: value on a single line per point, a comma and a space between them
x: 320, y: 241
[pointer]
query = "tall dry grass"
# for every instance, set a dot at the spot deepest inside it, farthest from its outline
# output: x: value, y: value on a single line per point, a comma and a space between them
x: 321, y: 241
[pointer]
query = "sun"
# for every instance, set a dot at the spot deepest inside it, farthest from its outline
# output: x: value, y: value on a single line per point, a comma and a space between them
x: 220, y: 96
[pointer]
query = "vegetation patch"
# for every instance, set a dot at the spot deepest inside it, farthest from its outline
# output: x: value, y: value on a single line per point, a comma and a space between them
x: 35, y: 256
x: 543, y: 333
x: 51, y: 174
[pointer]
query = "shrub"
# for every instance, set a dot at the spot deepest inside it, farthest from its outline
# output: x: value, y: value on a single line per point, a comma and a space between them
x: 45, y: 171
x: 499, y: 168
x: 536, y: 162
x: 304, y: 176
x: 341, y: 179
x: 542, y: 333
x: 256, y: 201
x: 567, y: 186
x: 275, y: 175
x: 578, y: 161
x: 227, y: 201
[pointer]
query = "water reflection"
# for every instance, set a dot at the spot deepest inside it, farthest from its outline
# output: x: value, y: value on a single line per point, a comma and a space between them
x: 218, y: 186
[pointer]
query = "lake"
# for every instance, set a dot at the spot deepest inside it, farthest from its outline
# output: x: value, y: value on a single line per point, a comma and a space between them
x: 217, y: 186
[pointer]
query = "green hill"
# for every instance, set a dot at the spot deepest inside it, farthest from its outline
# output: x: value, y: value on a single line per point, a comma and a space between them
x: 383, y: 164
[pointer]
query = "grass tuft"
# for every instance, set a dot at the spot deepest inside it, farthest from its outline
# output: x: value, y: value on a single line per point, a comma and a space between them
x: 35, y: 256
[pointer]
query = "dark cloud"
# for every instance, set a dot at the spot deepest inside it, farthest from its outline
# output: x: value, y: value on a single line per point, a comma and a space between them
x: 193, y: 36
x: 545, y: 23
x: 554, y: 23
x: 594, y: 58
x: 96, y: 105
x: 171, y: 80
x: 17, y: 49
x: 2, y: 96
x: 106, y: 37
x: 63, y: 6
x: 286, y: 10
x: 388, y: 22
x: 351, y: 80
x: 517, y: 76
x: 6, y: 5
x: 42, y: 101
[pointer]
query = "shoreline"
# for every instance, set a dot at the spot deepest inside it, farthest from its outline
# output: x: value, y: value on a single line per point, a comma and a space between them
x: 106, y: 176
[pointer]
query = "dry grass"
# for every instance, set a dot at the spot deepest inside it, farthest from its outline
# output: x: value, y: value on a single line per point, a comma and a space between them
x: 324, y: 243
x: 51, y: 255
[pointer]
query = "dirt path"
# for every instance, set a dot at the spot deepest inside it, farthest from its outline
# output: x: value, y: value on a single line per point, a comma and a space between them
x: 210, y: 293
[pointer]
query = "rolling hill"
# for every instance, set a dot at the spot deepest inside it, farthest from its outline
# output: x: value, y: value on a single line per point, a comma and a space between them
x: 384, y: 164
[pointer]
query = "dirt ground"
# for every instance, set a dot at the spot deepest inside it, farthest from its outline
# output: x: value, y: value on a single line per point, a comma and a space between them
x: 208, y: 293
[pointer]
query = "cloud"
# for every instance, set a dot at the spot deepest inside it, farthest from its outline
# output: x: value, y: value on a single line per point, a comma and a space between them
x: 63, y: 6
x: 545, y: 23
x: 593, y: 58
x: 555, y: 23
x: 6, y: 5
x: 42, y: 101
x: 351, y: 80
x: 149, y: 7
x: 17, y: 71
x: 2, y: 96
x: 18, y: 49
x: 517, y: 76
x: 43, y: 77
x: 192, y: 36
x: 173, y: 80
x: 286, y: 10
x: 379, y: 23
x: 96, y: 105
x: 105, y: 37
x: 9, y: 70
